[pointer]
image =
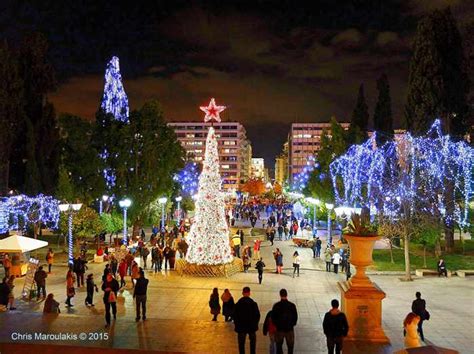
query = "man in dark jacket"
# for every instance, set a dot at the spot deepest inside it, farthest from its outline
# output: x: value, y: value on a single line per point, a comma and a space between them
x: 335, y: 328
x: 246, y: 317
x: 259, y: 266
x: 284, y: 316
x: 419, y: 307
x: 40, y: 280
x: 79, y: 268
x: 139, y: 294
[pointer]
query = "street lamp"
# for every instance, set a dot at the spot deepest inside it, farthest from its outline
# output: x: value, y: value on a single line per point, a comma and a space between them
x: 315, y: 202
x: 178, y: 200
x: 329, y: 207
x: 102, y: 200
x: 70, y: 209
x: 162, y: 201
x: 125, y: 204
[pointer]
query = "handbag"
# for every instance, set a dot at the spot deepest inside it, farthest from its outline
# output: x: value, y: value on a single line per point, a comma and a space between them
x: 426, y: 315
x: 112, y: 297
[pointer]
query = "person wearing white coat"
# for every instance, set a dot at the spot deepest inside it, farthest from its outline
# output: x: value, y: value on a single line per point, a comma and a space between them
x: 336, y: 260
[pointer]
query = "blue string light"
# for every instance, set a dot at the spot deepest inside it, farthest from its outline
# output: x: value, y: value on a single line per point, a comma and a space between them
x: 188, y: 178
x: 413, y: 171
x: 114, y: 99
x: 18, y: 211
x: 301, y: 179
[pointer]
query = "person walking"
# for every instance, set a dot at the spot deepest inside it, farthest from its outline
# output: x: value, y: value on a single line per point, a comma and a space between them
x: 318, y: 247
x: 228, y: 305
x: 145, y: 253
x: 246, y: 318
x: 135, y: 273
x: 80, y: 269
x: 278, y: 260
x: 122, y: 271
x: 70, y: 292
x: 50, y: 259
x: 259, y: 266
x: 335, y: 328
x: 139, y: 294
x: 113, y: 265
x: 110, y: 288
x: 40, y: 280
x: 270, y: 329
x: 336, y: 260
x: 285, y: 317
x: 296, y: 263
x: 7, y: 264
x: 327, y: 258
x: 214, y: 304
x: 410, y: 327
x: 11, y: 296
x: 442, y: 268
x: 418, y: 307
x: 256, y: 249
x: 90, y: 286
x: 167, y: 254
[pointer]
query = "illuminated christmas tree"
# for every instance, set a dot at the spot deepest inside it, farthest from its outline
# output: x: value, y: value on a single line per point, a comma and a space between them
x: 208, y: 238
x: 114, y: 99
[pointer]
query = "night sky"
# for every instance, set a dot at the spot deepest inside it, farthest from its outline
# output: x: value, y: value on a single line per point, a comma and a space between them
x: 270, y: 62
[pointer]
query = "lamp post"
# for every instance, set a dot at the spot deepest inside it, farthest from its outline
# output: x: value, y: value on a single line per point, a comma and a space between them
x: 329, y: 207
x: 178, y: 200
x: 70, y: 209
x: 101, y: 201
x: 162, y: 201
x: 125, y: 204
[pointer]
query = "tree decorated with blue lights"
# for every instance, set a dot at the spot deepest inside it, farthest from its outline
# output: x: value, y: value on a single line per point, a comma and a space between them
x: 114, y: 99
x: 300, y: 181
x: 188, y: 178
x: 406, y: 179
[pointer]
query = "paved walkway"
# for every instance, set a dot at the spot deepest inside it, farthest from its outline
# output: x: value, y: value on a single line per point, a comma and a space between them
x: 179, y: 318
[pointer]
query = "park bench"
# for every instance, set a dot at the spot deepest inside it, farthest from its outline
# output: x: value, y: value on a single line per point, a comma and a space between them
x: 463, y: 272
x: 423, y: 272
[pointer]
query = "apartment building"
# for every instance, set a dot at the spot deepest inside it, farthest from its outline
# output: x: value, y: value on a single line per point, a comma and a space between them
x: 281, y: 166
x: 232, y: 142
x: 258, y: 168
x: 304, y: 140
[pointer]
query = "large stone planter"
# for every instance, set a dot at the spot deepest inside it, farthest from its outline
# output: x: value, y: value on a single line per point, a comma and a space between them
x: 361, y: 248
x: 360, y: 298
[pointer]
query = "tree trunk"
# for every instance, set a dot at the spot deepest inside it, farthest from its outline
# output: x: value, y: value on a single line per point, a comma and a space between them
x: 438, y: 248
x: 391, y: 251
x: 449, y: 238
x: 449, y: 227
x: 424, y: 256
x: 406, y: 246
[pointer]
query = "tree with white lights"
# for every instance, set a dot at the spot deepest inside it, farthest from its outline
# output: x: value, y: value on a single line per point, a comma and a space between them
x: 208, y: 238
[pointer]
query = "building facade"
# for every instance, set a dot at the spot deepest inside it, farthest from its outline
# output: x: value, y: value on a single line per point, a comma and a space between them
x: 281, y: 166
x: 304, y: 140
x: 232, y: 142
x: 258, y: 168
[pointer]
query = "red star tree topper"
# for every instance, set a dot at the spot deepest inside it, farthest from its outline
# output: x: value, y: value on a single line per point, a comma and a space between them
x: 212, y: 111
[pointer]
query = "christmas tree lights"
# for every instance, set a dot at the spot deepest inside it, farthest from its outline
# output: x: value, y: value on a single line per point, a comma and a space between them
x: 413, y: 171
x: 114, y: 99
x: 208, y: 238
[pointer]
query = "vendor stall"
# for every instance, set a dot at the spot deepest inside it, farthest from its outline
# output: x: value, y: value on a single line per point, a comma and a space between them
x: 19, y: 248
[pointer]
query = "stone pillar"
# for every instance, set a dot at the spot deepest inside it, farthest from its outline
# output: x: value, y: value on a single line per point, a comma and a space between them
x: 363, y: 308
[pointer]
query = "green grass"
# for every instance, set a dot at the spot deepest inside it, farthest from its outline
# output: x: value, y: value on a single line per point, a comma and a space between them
x: 453, y: 261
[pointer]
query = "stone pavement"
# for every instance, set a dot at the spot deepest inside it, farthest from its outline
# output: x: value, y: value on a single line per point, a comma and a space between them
x: 179, y: 318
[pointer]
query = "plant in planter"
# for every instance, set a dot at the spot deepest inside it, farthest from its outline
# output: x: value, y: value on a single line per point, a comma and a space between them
x: 361, y: 236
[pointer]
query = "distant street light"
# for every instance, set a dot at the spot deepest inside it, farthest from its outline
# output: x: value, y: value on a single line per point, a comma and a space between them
x: 101, y: 201
x: 162, y: 201
x: 125, y: 204
x: 70, y: 209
